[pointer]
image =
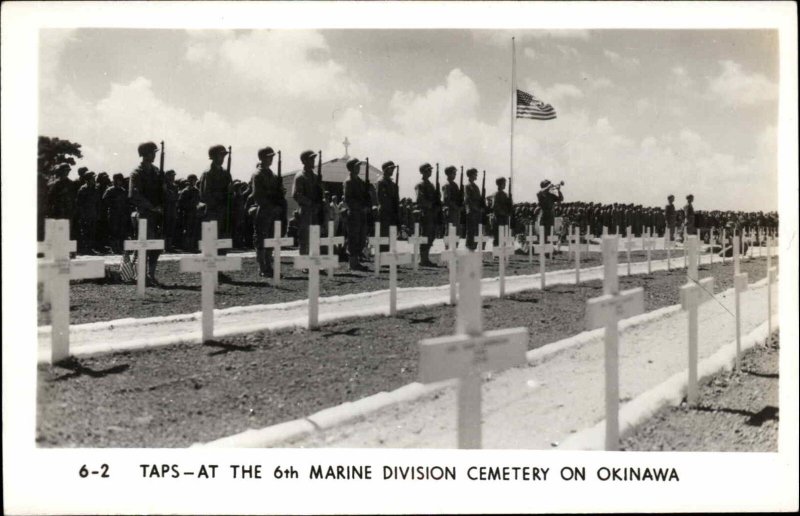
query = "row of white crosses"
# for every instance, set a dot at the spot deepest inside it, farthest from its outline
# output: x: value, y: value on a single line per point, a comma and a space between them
x: 56, y: 270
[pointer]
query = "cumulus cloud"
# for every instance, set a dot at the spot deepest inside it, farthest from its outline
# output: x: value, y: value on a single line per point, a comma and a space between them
x: 52, y: 43
x: 281, y: 63
x: 735, y: 87
x: 503, y: 37
x: 621, y: 61
x: 111, y: 129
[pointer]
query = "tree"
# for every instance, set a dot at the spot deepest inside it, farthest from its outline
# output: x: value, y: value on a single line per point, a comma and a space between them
x: 54, y: 152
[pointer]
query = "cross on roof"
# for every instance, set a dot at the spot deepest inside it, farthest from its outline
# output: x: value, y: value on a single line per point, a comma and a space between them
x: 346, y: 144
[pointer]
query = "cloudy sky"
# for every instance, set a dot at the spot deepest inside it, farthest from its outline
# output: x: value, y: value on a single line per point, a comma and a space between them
x: 641, y: 113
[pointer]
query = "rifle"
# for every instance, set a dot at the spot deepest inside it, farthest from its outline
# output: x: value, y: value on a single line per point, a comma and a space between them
x: 162, y: 156
x: 483, y: 197
x: 228, y: 215
x: 321, y: 214
x: 438, y: 217
x: 511, y: 202
x: 461, y: 182
x: 284, y: 213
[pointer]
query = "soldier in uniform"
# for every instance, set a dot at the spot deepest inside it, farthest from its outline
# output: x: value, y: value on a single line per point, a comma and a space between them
x: 61, y: 196
x: 473, y: 204
x: 307, y: 192
x: 88, y: 208
x: 188, y: 199
x: 146, y: 193
x: 101, y: 235
x: 117, y: 213
x: 502, y: 208
x: 547, y: 201
x: 357, y: 204
x: 427, y: 201
x: 388, y: 201
x: 216, y: 192
x: 688, y: 216
x: 269, y: 204
x: 452, y: 201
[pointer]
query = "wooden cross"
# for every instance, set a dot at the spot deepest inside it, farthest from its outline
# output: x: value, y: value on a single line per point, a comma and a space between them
x: 554, y: 240
x: 449, y: 254
x: 575, y: 246
x: 46, y: 248
x: 376, y: 241
x: 669, y: 245
x: 482, y: 240
x: 649, y: 243
x: 502, y: 251
x: 277, y: 243
x: 415, y: 241
x: 208, y: 263
x: 470, y: 352
x: 694, y: 293
x: 393, y: 259
x: 330, y: 241
x: 629, y: 246
x: 740, y: 285
x: 529, y: 240
x: 313, y: 261
x: 542, y: 248
x: 55, y: 272
x: 141, y: 245
x: 606, y: 311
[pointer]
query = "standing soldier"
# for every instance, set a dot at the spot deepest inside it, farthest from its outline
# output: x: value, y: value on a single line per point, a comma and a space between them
x: 101, y: 234
x: 269, y: 202
x: 688, y: 216
x: 388, y: 201
x: 452, y: 200
x: 170, y: 210
x: 188, y: 199
x: 427, y: 200
x: 473, y: 203
x: 356, y: 205
x: 146, y: 193
x: 216, y: 191
x: 502, y: 208
x: 88, y: 207
x: 547, y: 201
x: 116, y: 213
x: 307, y: 192
x: 61, y: 195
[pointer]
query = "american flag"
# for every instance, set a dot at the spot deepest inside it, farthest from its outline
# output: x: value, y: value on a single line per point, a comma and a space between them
x: 126, y: 270
x: 529, y: 106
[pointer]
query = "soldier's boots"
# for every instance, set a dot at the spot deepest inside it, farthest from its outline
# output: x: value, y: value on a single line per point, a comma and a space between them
x: 355, y: 265
x: 424, y: 259
x: 265, y: 269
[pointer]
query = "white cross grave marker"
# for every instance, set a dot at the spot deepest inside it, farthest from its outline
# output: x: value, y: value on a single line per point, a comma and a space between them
x: 606, y: 311
x: 628, y: 247
x: 502, y: 252
x: 277, y: 243
x: 555, y: 241
x: 55, y: 272
x: 685, y: 255
x: 415, y: 241
x: 575, y: 246
x: 208, y: 263
x: 542, y: 248
x: 46, y: 247
x: 529, y: 239
x: 649, y: 243
x: 393, y: 259
x: 740, y: 285
x: 669, y: 245
x: 376, y: 241
x: 694, y: 293
x: 449, y: 254
x: 141, y: 245
x: 313, y: 261
x: 470, y: 352
x: 482, y: 240
x: 330, y: 241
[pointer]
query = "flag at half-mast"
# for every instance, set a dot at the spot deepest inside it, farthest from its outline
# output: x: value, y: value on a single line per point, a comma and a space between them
x: 529, y: 106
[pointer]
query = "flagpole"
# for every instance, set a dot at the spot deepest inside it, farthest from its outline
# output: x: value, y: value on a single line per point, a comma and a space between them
x: 513, y: 102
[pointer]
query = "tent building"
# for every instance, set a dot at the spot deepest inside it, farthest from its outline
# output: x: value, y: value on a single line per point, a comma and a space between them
x: 334, y: 174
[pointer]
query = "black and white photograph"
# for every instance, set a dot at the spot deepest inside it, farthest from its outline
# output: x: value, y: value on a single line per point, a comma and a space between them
x: 310, y: 238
